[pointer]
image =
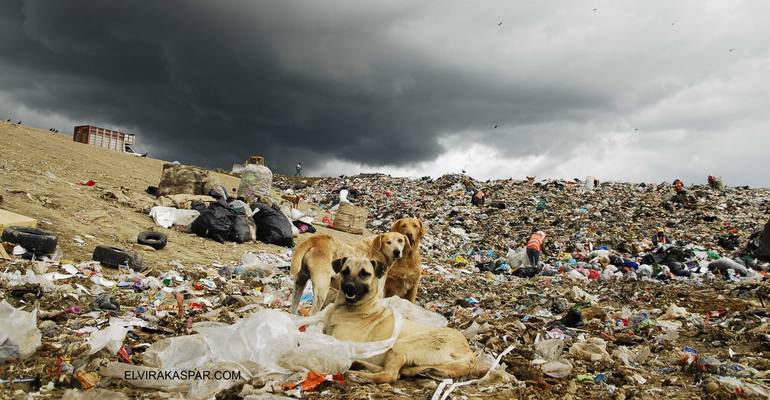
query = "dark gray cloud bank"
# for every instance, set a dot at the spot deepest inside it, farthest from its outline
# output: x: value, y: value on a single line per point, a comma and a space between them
x: 633, y: 91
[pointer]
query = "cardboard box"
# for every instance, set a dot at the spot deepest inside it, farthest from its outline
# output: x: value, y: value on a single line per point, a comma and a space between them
x: 8, y: 218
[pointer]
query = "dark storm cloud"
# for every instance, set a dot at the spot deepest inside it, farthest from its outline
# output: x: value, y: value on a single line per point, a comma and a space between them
x: 210, y: 82
x: 404, y: 86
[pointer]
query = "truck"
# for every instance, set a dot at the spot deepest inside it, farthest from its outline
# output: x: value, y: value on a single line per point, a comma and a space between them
x: 106, y: 139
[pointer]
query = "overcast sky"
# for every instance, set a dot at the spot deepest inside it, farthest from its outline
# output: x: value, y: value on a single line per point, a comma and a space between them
x: 623, y: 90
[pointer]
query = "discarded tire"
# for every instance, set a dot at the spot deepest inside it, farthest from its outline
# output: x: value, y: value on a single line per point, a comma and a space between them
x: 156, y: 240
x: 115, y: 257
x: 36, y: 241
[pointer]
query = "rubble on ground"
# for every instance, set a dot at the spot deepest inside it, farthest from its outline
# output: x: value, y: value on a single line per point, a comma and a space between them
x: 607, y: 315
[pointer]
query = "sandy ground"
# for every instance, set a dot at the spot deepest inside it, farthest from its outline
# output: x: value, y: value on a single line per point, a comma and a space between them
x: 40, y: 174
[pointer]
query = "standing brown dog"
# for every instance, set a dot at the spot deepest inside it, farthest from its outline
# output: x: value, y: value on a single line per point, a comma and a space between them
x: 403, y: 278
x: 312, y: 260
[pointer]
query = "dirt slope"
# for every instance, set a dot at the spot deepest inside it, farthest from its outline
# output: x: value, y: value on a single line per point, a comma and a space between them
x: 39, y: 175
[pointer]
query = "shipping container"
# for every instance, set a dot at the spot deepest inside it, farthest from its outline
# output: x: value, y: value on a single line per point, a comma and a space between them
x: 104, y: 138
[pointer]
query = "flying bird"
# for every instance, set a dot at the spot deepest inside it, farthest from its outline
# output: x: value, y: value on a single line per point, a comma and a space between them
x: 596, y: 9
x: 499, y: 24
x: 731, y: 50
x: 495, y: 127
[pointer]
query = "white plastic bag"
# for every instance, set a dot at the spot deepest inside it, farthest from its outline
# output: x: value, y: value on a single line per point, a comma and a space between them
x: 344, y: 196
x: 630, y: 357
x: 189, y: 351
x: 170, y: 216
x: 674, y: 312
x: 594, y: 349
x: 549, y: 358
x: 267, y: 344
x: 112, y: 336
x: 517, y: 259
x: 415, y: 313
x: 296, y: 214
x: 19, y: 335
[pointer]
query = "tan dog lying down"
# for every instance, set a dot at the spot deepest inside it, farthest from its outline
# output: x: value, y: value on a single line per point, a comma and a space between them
x: 403, y: 277
x: 358, y: 316
x: 313, y: 260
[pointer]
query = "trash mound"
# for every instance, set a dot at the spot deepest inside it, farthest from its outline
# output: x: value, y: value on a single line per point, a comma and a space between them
x: 606, y: 314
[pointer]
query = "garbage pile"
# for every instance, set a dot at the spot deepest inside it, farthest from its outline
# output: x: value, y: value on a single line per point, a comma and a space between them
x: 606, y: 314
x: 588, y: 229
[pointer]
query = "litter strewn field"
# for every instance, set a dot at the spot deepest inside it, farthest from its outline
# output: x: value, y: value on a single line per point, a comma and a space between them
x: 608, y: 315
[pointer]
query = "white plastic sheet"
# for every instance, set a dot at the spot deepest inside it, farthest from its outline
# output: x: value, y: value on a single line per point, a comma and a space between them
x: 267, y: 345
x: 549, y: 357
x: 415, y: 313
x: 19, y: 335
x: 112, y: 336
x: 170, y: 216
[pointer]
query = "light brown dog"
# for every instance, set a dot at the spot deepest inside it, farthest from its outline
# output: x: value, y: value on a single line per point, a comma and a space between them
x: 403, y: 278
x: 357, y: 315
x: 312, y: 260
x: 294, y: 200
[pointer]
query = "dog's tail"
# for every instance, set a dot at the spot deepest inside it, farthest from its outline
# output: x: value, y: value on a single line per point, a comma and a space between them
x: 299, y: 254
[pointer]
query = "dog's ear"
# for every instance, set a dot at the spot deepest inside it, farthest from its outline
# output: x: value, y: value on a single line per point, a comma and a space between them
x: 379, y: 268
x: 338, y: 263
x: 407, y: 245
x: 378, y: 242
x: 394, y: 228
x: 423, y: 228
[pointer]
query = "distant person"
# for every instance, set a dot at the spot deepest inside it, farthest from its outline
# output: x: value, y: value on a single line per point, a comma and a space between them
x: 299, y: 169
x: 660, y: 237
x: 535, y: 247
x: 678, y: 185
x: 715, y: 183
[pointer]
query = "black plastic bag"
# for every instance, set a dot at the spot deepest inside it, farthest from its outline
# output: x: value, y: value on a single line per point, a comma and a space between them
x: 215, y: 222
x: 240, y: 231
x: 272, y: 226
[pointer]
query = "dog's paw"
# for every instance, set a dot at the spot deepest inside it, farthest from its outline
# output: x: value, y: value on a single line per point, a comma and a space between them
x: 357, y: 377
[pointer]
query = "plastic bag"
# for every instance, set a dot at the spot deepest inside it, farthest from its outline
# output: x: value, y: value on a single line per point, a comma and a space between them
x: 344, y: 196
x: 170, y: 216
x: 189, y: 351
x: 19, y: 335
x: 112, y: 336
x: 241, y: 208
x: 256, y: 181
x: 594, y: 349
x: 581, y: 296
x: 517, y: 258
x: 674, y: 312
x: 560, y: 368
x: 415, y: 313
x: 549, y: 358
x: 240, y: 231
x: 724, y: 264
x: 629, y: 357
x: 745, y: 387
x: 267, y: 344
x: 272, y: 226
x: 214, y: 222
x: 549, y: 349
x: 272, y: 340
